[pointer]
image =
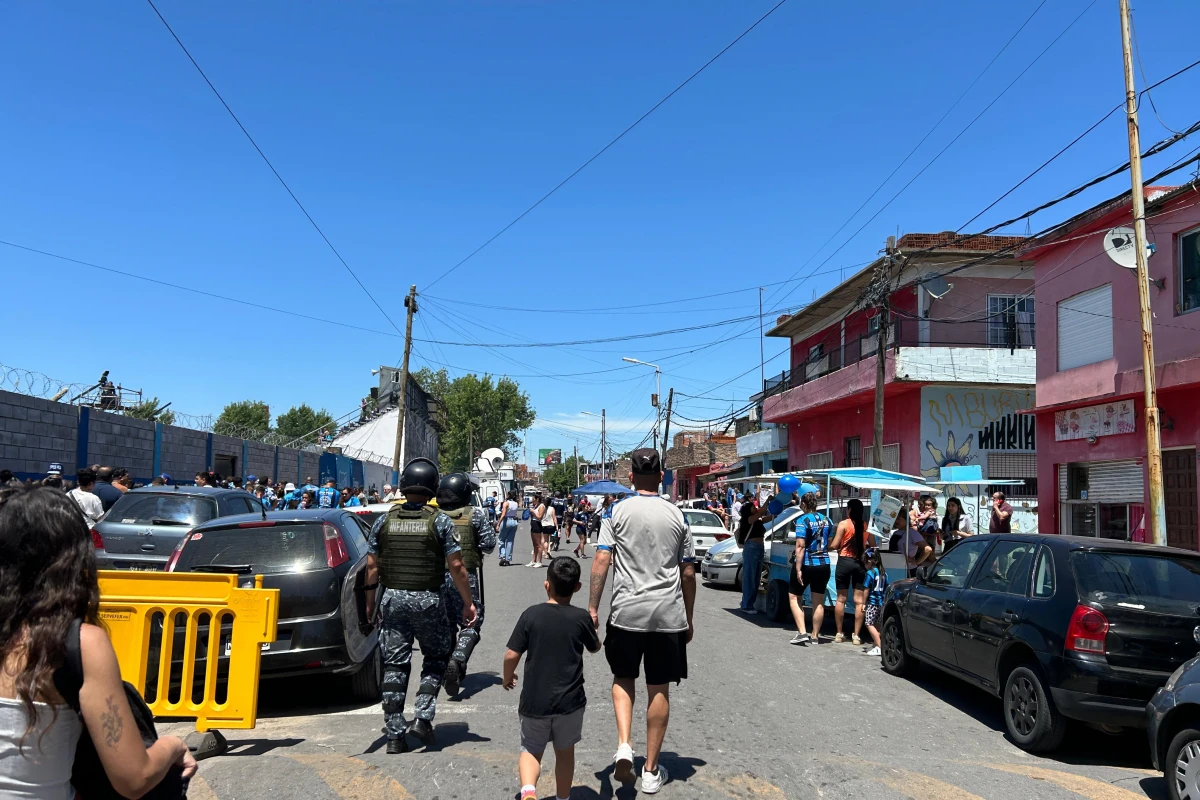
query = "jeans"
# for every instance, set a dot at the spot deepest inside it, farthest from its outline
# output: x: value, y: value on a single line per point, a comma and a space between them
x: 508, y: 532
x: 752, y: 560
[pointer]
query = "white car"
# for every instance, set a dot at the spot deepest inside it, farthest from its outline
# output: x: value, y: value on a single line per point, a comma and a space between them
x: 706, y: 529
x: 722, y: 564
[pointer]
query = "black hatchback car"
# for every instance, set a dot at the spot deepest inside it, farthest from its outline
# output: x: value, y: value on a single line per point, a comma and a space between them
x: 1060, y: 627
x: 317, y: 560
x: 1173, y: 718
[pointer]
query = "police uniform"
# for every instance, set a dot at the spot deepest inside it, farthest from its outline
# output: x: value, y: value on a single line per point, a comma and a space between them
x: 410, y: 544
x: 476, y: 537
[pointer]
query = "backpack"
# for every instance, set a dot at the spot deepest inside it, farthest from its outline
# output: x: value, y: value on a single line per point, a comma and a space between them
x: 87, y: 774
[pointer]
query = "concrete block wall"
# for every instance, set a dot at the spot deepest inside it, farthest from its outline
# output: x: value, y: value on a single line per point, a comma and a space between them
x: 310, y: 465
x: 36, y: 433
x: 261, y: 459
x: 287, y: 465
x: 227, y: 446
x: 121, y: 441
x: 184, y: 453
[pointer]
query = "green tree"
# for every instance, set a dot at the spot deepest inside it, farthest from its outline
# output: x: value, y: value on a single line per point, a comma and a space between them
x: 561, y: 477
x: 246, y: 418
x: 146, y: 410
x: 301, y: 423
x: 477, y: 412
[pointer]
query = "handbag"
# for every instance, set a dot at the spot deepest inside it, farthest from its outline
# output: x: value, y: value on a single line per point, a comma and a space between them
x: 87, y: 773
x: 525, y: 514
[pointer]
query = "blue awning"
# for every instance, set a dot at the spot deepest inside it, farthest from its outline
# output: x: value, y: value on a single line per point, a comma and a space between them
x: 870, y: 478
x: 601, y: 487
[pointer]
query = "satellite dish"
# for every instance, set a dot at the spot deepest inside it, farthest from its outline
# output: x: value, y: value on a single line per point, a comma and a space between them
x: 936, y: 285
x: 494, y: 456
x: 1118, y: 244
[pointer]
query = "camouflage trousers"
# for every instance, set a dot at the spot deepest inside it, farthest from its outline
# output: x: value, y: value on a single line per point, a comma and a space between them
x: 405, y: 616
x: 467, y: 637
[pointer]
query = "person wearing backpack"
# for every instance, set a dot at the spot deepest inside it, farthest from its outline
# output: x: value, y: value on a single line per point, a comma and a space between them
x: 53, y: 712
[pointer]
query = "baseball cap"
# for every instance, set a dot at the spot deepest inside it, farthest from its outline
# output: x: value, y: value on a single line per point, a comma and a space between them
x: 55, y: 469
x: 166, y: 478
x: 645, y: 461
x: 251, y: 478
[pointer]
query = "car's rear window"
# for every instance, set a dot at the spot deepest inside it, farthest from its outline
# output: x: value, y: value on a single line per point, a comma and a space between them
x: 168, y: 508
x: 1143, y: 581
x: 280, y: 548
x: 703, y: 519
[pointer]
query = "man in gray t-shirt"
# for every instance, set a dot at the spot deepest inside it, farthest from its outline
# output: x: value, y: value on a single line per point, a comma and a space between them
x: 647, y: 542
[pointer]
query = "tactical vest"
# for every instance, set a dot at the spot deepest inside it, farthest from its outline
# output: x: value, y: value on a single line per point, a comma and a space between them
x: 464, y: 532
x: 410, y: 550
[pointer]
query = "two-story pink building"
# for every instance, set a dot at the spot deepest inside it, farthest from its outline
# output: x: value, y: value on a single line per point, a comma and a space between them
x: 959, y: 370
x: 1090, y: 414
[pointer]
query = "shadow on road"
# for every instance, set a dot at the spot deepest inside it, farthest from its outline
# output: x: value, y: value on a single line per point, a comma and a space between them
x: 257, y: 747
x: 475, y: 683
x: 680, y: 768
x: 301, y: 697
x: 1155, y: 788
x: 452, y: 733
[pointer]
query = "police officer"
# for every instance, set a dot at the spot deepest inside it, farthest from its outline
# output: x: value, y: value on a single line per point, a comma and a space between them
x: 328, y: 495
x: 476, y: 537
x: 409, y: 551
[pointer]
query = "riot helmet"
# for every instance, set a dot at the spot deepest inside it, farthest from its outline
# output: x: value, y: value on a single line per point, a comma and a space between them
x: 454, y: 491
x: 420, y: 476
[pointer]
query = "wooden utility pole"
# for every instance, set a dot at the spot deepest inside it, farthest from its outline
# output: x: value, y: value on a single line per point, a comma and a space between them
x: 603, y: 449
x: 881, y: 279
x: 576, y: 465
x: 762, y: 359
x: 1157, y: 516
x: 410, y: 302
x: 667, y: 429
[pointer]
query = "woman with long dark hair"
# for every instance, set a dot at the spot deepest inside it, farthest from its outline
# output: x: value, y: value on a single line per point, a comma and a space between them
x: 750, y: 533
x: 538, y: 510
x: 47, y: 582
x: 955, y: 524
x: 850, y: 541
x: 506, y: 526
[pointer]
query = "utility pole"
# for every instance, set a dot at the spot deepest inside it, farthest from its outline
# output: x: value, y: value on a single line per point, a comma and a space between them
x: 880, y: 291
x: 603, y: 451
x: 762, y: 360
x: 410, y: 302
x: 576, y: 465
x: 470, y: 446
x: 667, y: 430
x: 1157, y: 508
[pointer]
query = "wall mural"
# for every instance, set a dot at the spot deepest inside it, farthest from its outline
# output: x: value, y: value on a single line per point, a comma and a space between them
x: 1094, y: 421
x: 960, y: 425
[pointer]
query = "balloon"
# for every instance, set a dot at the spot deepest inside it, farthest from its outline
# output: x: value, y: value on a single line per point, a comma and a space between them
x: 775, y: 508
x: 789, y: 484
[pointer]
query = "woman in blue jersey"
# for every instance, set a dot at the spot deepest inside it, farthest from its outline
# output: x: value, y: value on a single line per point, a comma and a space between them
x: 810, y: 568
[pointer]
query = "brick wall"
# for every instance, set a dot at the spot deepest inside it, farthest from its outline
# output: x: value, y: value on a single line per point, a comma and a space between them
x: 261, y: 460
x: 183, y: 452
x: 310, y: 465
x: 122, y: 441
x: 35, y: 433
x: 287, y: 465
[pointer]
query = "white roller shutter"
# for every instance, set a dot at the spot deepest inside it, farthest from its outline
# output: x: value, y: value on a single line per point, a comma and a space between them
x: 1116, y: 482
x: 1062, y: 482
x: 1085, y: 328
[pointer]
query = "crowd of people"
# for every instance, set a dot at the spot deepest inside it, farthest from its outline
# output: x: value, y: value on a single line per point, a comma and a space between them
x: 553, y: 519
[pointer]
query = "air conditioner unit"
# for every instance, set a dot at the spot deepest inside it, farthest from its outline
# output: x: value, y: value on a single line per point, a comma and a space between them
x: 755, y: 414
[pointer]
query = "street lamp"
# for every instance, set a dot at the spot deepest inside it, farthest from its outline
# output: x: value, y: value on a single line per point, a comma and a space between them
x: 603, y: 456
x: 657, y: 392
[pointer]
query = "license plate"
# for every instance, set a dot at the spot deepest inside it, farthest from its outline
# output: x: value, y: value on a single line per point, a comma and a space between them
x: 264, y: 647
x: 146, y: 568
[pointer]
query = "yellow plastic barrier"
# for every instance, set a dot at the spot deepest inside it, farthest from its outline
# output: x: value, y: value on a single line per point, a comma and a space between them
x: 144, y: 613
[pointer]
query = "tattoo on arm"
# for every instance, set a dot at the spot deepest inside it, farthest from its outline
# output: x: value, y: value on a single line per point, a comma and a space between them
x: 598, y: 579
x: 111, y: 722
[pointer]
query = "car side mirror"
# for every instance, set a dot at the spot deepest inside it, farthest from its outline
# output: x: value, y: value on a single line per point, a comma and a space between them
x: 922, y: 573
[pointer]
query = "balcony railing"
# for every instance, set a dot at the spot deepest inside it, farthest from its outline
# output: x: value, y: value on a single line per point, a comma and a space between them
x: 1007, y: 332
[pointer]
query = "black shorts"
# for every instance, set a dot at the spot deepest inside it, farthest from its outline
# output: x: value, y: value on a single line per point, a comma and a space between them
x: 815, y: 577
x: 850, y: 574
x: 665, y: 654
x: 535, y: 526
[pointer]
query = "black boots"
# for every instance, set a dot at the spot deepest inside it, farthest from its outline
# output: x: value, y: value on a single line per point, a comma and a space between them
x: 396, y: 746
x: 423, y: 731
x: 452, y: 680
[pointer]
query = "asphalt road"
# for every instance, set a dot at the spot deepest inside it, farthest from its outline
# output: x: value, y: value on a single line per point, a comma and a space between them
x: 756, y: 718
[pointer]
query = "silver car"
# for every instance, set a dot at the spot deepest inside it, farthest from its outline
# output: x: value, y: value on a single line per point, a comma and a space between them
x: 722, y: 564
x: 706, y: 530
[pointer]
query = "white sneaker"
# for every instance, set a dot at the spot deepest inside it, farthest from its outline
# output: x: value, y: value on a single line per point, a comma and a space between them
x: 854, y: 638
x: 623, y: 764
x: 801, y: 638
x: 841, y: 637
x: 652, y: 782
x: 874, y: 651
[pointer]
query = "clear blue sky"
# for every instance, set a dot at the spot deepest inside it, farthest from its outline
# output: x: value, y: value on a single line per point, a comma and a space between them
x: 413, y: 132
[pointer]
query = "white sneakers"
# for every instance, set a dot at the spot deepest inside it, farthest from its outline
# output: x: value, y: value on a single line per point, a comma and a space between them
x: 652, y: 782
x: 874, y: 651
x: 623, y: 764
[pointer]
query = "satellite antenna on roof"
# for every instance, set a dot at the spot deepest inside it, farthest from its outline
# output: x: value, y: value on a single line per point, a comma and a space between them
x: 936, y: 285
x: 493, y: 456
x: 1118, y: 245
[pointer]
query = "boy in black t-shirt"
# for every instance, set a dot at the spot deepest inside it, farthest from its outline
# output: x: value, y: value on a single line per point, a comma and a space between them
x: 554, y: 634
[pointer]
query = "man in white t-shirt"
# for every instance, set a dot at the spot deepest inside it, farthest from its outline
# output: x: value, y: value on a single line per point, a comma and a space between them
x: 647, y: 542
x: 88, y: 503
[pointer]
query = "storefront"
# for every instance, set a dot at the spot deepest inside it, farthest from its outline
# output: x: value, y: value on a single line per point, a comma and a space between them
x: 1103, y: 499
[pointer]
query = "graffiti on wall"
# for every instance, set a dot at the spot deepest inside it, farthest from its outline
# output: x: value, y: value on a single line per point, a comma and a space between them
x: 960, y: 425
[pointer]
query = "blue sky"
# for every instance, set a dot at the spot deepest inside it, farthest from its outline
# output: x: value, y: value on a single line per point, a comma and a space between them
x: 414, y: 132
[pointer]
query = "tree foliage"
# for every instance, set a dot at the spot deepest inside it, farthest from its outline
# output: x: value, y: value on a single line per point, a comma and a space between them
x: 561, y: 477
x: 476, y: 412
x: 244, y: 419
x: 146, y: 408
x: 301, y: 423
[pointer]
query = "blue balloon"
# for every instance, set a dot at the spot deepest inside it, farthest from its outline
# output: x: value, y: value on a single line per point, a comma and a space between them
x: 775, y: 508
x: 789, y: 484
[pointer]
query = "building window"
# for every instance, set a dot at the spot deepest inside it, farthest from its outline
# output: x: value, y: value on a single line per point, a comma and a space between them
x: 820, y: 460
x: 1085, y: 328
x: 891, y: 457
x: 853, y: 452
x: 1189, y: 271
x: 816, y: 365
x: 1010, y: 320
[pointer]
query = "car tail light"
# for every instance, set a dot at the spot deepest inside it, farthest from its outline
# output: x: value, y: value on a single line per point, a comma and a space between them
x: 1087, y: 630
x: 97, y: 539
x: 720, y: 537
x: 174, y: 559
x: 335, y: 547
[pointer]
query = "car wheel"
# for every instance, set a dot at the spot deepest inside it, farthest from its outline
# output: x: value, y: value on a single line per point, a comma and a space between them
x: 777, y: 601
x: 896, y: 658
x: 1029, y: 714
x: 366, y: 684
x: 1183, y: 765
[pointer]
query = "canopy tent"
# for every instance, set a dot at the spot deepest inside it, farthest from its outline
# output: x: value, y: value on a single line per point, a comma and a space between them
x: 601, y: 487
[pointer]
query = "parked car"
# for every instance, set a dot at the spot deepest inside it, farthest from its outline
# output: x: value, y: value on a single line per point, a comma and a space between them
x: 1059, y: 627
x: 706, y: 530
x: 370, y: 512
x: 142, y: 528
x: 317, y: 559
x: 1173, y: 723
x: 722, y: 564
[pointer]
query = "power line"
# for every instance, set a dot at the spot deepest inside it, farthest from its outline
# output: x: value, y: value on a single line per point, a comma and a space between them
x: 271, y: 166
x: 606, y: 147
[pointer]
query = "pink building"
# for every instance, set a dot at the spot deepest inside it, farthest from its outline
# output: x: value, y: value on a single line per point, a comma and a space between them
x: 959, y: 370
x: 1090, y: 424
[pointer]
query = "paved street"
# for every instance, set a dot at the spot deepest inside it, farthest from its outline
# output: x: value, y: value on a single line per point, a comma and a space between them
x: 757, y: 718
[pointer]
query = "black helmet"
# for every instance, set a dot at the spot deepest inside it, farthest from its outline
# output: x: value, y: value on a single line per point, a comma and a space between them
x: 454, y: 491
x: 420, y: 476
